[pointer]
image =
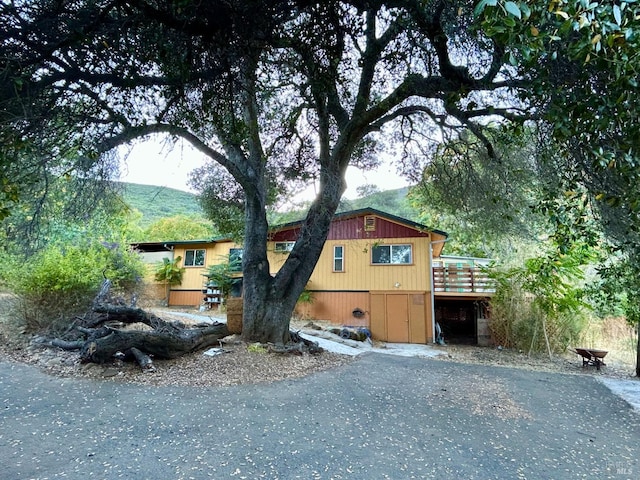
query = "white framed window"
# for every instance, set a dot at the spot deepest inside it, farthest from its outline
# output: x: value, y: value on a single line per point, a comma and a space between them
x: 338, y: 258
x: 282, y: 247
x: 401, y: 254
x: 194, y: 258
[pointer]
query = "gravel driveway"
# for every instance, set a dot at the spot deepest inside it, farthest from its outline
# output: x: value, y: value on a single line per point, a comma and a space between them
x: 378, y: 417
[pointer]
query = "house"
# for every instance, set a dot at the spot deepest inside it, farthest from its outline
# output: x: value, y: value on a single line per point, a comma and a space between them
x: 376, y: 271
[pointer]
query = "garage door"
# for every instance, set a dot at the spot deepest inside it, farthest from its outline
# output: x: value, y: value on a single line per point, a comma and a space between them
x: 400, y: 317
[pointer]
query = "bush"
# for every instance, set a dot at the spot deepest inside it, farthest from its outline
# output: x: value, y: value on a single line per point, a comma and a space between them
x: 538, y: 307
x: 62, y: 281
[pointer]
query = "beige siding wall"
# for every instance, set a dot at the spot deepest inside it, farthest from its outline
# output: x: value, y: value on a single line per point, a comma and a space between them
x: 336, y: 294
x: 360, y: 274
x: 193, y: 278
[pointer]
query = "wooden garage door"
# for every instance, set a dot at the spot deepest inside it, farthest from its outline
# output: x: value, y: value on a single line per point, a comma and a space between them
x: 400, y: 317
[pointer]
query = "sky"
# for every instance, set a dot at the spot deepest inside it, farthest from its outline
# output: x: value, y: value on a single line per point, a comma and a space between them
x: 152, y: 163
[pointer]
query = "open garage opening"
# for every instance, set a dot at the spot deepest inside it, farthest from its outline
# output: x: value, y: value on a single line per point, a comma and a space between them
x: 463, y: 322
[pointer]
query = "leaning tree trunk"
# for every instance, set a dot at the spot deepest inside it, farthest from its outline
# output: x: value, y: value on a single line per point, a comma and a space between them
x: 638, y: 351
x: 269, y: 301
x: 267, y: 309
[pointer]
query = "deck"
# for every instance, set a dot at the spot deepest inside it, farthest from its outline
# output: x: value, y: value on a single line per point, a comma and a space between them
x: 462, y: 282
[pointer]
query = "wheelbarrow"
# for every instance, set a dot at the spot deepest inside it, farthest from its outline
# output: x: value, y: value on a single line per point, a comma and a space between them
x: 591, y: 356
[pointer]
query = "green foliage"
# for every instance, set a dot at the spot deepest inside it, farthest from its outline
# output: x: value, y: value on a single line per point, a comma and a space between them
x: 157, y: 203
x: 9, y: 195
x: 61, y: 281
x: 222, y: 198
x: 581, y: 59
x: 170, y: 273
x: 540, y: 305
x: 395, y: 202
x: 305, y: 300
x: 306, y: 297
x: 256, y: 348
x: 484, y: 201
x: 178, y: 227
x: 224, y: 275
x: 63, y: 210
x: 613, y: 291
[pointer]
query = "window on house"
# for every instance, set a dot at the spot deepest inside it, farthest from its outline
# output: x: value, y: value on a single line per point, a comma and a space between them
x: 392, y: 254
x: 235, y: 259
x: 194, y: 258
x: 284, y: 246
x: 338, y: 258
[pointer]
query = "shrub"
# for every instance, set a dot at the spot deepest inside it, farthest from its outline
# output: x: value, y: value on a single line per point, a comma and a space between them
x: 62, y: 280
x: 538, y: 307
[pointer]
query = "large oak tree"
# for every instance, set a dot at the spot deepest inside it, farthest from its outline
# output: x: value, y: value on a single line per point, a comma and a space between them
x: 273, y: 92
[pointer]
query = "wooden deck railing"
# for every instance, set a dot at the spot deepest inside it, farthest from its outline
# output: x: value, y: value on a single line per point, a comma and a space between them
x: 453, y: 279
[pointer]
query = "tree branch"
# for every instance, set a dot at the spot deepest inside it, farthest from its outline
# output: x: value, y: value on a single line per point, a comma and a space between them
x: 136, y: 132
x: 371, y: 57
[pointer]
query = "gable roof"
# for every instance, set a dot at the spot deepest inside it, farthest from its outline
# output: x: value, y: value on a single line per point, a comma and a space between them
x: 169, y: 245
x: 366, y: 211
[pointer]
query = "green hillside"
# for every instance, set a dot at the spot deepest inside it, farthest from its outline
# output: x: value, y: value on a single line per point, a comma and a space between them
x: 390, y: 201
x: 156, y: 203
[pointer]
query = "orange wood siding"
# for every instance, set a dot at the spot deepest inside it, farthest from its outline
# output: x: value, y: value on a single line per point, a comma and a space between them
x: 378, y: 317
x: 397, y: 317
x: 401, y: 317
x: 337, y: 308
x: 418, y: 317
x: 185, y: 298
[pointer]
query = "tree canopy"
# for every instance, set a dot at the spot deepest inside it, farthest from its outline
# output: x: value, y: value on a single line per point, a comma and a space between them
x: 283, y: 92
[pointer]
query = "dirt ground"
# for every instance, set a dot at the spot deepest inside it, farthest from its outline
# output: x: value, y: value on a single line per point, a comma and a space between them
x: 239, y: 363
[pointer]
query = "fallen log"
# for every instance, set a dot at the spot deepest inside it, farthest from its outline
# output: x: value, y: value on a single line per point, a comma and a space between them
x: 58, y: 343
x: 126, y: 315
x: 165, y: 344
x: 350, y: 334
x: 102, y: 340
